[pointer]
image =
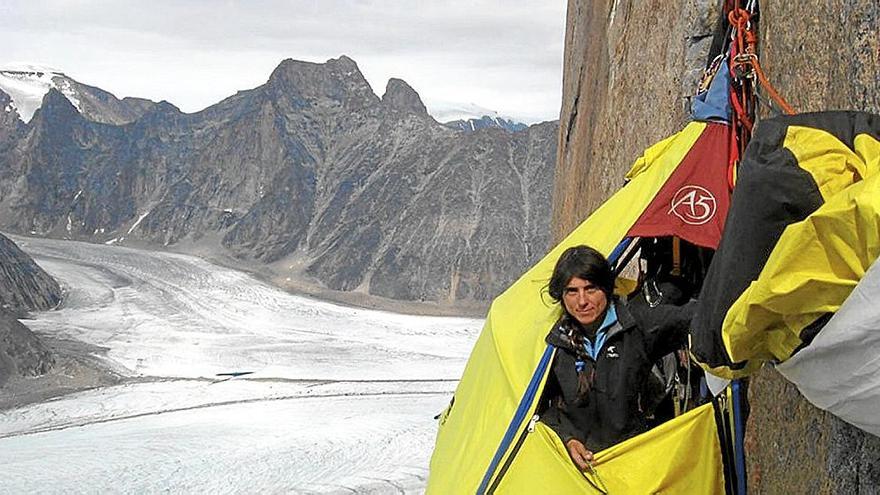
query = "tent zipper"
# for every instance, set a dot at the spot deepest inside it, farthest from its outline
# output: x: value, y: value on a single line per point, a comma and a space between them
x: 519, y: 441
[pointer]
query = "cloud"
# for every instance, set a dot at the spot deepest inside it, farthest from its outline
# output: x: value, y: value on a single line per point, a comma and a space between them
x: 504, y: 55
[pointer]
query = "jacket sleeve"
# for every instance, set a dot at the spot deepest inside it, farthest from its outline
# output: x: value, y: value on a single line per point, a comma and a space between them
x: 553, y: 414
x: 666, y: 328
x: 558, y: 421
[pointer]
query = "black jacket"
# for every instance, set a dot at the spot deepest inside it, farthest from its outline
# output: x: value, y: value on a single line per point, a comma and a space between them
x: 612, y: 411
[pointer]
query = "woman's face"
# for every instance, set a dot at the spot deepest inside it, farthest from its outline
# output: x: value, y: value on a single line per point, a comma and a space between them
x: 583, y: 300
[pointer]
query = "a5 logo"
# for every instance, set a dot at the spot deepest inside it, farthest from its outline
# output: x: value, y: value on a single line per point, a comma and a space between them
x: 694, y: 205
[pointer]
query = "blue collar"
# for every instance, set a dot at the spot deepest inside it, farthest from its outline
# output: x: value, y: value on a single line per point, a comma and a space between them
x: 610, y: 317
x: 608, y: 322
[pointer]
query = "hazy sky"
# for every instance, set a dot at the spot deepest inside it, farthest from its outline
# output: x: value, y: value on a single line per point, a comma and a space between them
x: 504, y: 55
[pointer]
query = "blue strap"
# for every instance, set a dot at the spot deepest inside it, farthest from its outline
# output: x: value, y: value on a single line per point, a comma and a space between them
x: 593, y: 352
x: 524, y: 405
x: 618, y: 250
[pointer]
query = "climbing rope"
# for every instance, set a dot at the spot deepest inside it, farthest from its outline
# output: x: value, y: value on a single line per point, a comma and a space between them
x: 745, y: 64
x: 746, y: 76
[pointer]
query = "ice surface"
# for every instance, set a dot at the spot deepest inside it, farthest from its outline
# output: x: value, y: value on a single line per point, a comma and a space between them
x: 341, y: 398
x: 376, y: 444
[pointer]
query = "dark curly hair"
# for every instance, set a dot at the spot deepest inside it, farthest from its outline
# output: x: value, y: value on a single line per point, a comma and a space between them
x: 582, y: 262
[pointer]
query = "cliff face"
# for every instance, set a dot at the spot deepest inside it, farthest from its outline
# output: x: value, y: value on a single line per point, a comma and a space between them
x: 629, y: 68
x: 24, y: 286
x: 22, y: 354
x: 823, y: 54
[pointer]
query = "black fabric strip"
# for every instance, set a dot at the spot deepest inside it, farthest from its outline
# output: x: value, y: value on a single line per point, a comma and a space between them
x: 810, y: 331
x: 508, y: 461
x: 722, y: 427
x: 720, y: 37
x: 844, y: 125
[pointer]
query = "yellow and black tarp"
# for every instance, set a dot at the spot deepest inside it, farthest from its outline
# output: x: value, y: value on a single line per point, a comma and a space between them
x: 801, y: 231
x: 814, y: 267
x: 504, y: 376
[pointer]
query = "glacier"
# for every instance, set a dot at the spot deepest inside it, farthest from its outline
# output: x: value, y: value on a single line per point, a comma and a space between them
x: 341, y: 399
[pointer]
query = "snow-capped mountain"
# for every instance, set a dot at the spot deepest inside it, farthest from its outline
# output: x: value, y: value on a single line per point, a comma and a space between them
x: 486, y: 122
x: 447, y: 111
x: 471, y: 117
x: 27, y: 84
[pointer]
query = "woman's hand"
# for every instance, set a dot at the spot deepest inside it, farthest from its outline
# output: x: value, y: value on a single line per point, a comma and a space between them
x: 579, y: 453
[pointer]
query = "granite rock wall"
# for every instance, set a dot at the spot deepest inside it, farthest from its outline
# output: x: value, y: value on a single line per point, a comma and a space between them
x: 630, y: 70
x: 821, y: 55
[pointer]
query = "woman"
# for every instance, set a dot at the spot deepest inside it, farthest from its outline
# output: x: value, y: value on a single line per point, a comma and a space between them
x: 605, y: 351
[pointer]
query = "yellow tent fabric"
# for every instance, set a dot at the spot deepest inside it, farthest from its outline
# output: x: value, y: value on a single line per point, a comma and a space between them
x: 512, y: 341
x: 831, y: 163
x: 813, y: 268
x: 680, y: 456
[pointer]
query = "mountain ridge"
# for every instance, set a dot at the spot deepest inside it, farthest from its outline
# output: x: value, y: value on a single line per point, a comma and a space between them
x: 311, y: 173
x: 29, y: 84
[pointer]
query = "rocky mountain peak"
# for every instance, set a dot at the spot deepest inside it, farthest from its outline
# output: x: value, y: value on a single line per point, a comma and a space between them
x: 401, y: 96
x: 160, y: 113
x: 56, y: 107
x: 289, y: 67
x: 163, y: 107
x: 337, y: 79
x: 486, y: 122
x: 345, y: 63
x: 28, y: 86
x: 8, y: 112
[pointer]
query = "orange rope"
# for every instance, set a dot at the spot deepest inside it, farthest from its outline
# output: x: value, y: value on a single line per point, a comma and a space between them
x: 746, y: 57
x: 771, y: 90
x: 741, y: 92
x: 747, y: 73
